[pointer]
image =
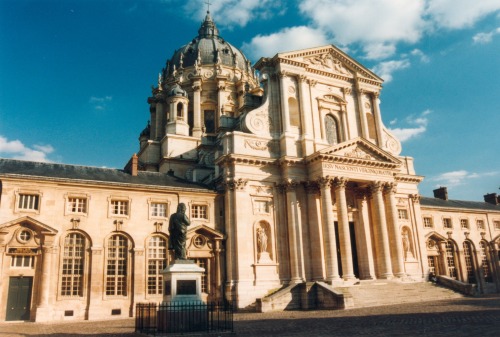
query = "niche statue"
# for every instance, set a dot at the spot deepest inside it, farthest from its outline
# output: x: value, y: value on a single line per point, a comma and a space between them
x: 178, y: 229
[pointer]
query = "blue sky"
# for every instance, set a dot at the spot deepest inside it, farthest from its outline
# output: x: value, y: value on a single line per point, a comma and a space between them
x: 75, y: 75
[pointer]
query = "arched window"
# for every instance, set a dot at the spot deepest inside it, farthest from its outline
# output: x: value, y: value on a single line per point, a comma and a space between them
x: 293, y: 108
x: 180, y: 114
x: 484, y: 261
x: 157, y: 261
x: 331, y: 130
x: 73, y: 265
x: 468, y: 262
x: 117, y: 265
x: 450, y: 260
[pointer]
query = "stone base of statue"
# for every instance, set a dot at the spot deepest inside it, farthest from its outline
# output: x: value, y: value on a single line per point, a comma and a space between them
x: 183, y: 309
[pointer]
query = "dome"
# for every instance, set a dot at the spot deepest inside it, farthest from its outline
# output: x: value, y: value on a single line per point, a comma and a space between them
x: 208, y: 48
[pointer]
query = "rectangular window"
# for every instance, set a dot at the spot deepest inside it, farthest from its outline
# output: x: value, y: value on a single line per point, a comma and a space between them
x: 204, y: 277
x: 402, y: 214
x: 428, y: 222
x: 199, y: 212
x: 480, y: 224
x: 261, y: 206
x: 119, y: 207
x: 447, y: 223
x: 464, y: 224
x: 29, y: 201
x: 496, y: 225
x: 157, y: 261
x: 159, y: 210
x: 77, y: 205
x: 22, y: 261
x: 72, y: 267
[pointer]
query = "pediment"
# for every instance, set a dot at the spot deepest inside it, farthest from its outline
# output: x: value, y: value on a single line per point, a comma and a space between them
x: 330, y: 59
x: 32, y: 223
x: 358, y: 151
x: 206, y: 231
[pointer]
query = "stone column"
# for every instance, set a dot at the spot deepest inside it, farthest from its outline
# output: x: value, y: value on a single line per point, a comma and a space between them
x: 419, y: 230
x: 196, y: 109
x: 45, y: 281
x: 218, y: 279
x: 306, y: 116
x: 344, y: 236
x: 365, y: 251
x: 315, y: 236
x: 294, y: 232
x: 230, y: 238
x: 393, y: 230
x: 382, y: 242
x: 332, y: 270
x: 139, y: 282
x: 285, y: 113
x: 378, y: 118
x: 364, y: 124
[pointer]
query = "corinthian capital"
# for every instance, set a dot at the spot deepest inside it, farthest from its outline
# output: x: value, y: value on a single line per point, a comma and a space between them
x: 340, y: 182
x: 325, y: 182
x: 290, y: 185
x: 311, y: 187
x: 390, y: 188
x: 415, y: 198
x: 376, y: 186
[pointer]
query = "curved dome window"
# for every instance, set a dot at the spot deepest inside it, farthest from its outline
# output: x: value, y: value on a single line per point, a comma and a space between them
x: 25, y: 236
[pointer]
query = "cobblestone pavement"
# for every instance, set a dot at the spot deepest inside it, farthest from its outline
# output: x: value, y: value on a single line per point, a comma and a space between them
x: 458, y: 317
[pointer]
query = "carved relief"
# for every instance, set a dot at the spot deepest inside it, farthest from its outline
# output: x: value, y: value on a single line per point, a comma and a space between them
x: 262, y: 238
x: 327, y: 62
x: 358, y: 153
x: 407, y: 244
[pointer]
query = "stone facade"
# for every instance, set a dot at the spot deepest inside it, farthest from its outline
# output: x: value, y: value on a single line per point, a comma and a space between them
x: 289, y: 175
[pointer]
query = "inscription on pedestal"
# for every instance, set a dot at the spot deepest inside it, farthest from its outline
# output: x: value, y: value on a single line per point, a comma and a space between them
x: 186, y: 287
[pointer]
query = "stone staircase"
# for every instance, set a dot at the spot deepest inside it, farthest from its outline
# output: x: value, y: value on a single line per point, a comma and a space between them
x: 383, y: 292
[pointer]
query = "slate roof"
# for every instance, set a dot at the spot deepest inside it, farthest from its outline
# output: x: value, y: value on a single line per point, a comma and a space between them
x: 93, y: 174
x: 473, y: 205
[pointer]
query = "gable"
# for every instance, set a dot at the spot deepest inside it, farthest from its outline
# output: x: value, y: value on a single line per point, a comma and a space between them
x: 359, y: 150
x: 329, y: 59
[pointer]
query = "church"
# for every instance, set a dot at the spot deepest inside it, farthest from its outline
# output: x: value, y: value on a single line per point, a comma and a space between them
x: 289, y: 177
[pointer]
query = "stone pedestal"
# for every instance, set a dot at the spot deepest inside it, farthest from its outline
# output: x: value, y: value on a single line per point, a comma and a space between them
x: 182, y: 283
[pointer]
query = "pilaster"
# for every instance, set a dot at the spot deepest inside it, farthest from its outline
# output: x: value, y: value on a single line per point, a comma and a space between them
x: 382, y: 237
x: 393, y: 230
x: 344, y: 236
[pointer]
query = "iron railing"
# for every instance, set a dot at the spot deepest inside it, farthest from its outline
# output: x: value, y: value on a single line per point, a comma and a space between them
x: 152, y: 318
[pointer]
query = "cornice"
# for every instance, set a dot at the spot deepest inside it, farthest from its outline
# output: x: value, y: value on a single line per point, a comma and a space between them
x: 102, y: 184
x: 245, y: 160
x: 408, y: 178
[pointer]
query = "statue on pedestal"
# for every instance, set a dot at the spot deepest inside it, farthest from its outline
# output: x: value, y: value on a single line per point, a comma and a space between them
x: 178, y: 228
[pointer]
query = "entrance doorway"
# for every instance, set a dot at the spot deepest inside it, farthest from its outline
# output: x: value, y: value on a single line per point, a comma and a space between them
x: 354, y: 251
x: 19, y: 298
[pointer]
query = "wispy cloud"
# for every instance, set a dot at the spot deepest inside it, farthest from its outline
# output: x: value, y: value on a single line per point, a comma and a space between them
x: 417, y: 125
x: 385, y: 69
x: 17, y: 150
x: 484, y: 38
x: 459, y: 177
x: 287, y: 39
x: 100, y: 103
x: 234, y: 12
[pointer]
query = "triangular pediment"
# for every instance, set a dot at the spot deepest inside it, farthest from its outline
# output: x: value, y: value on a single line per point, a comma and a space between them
x: 358, y: 151
x: 207, y: 231
x: 33, y: 223
x: 329, y: 59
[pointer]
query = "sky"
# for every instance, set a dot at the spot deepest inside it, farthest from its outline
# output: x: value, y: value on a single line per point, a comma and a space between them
x: 75, y: 75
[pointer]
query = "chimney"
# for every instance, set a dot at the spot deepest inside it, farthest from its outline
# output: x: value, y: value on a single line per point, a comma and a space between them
x: 134, y: 165
x: 441, y: 193
x: 491, y: 198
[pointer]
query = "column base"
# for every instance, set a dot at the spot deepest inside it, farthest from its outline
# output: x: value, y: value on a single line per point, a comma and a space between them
x: 386, y: 276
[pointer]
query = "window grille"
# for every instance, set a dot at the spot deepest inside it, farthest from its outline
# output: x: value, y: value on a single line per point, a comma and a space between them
x: 450, y: 260
x: 496, y: 225
x: 484, y: 261
x: 22, y: 261
x: 428, y: 222
x: 464, y: 224
x: 157, y: 261
x: 402, y: 214
x: 262, y: 206
x: 73, y: 264
x: 480, y: 224
x: 447, y: 223
x: 199, y: 212
x: 116, y: 269
x: 432, y: 265
x: 77, y: 205
x: 468, y: 263
x: 29, y: 201
x: 119, y: 207
x: 159, y: 210
x: 204, y: 278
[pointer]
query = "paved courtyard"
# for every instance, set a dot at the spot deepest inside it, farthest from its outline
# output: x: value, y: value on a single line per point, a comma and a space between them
x: 458, y: 317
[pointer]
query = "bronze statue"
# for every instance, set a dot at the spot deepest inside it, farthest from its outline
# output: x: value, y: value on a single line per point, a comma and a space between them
x: 178, y: 229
